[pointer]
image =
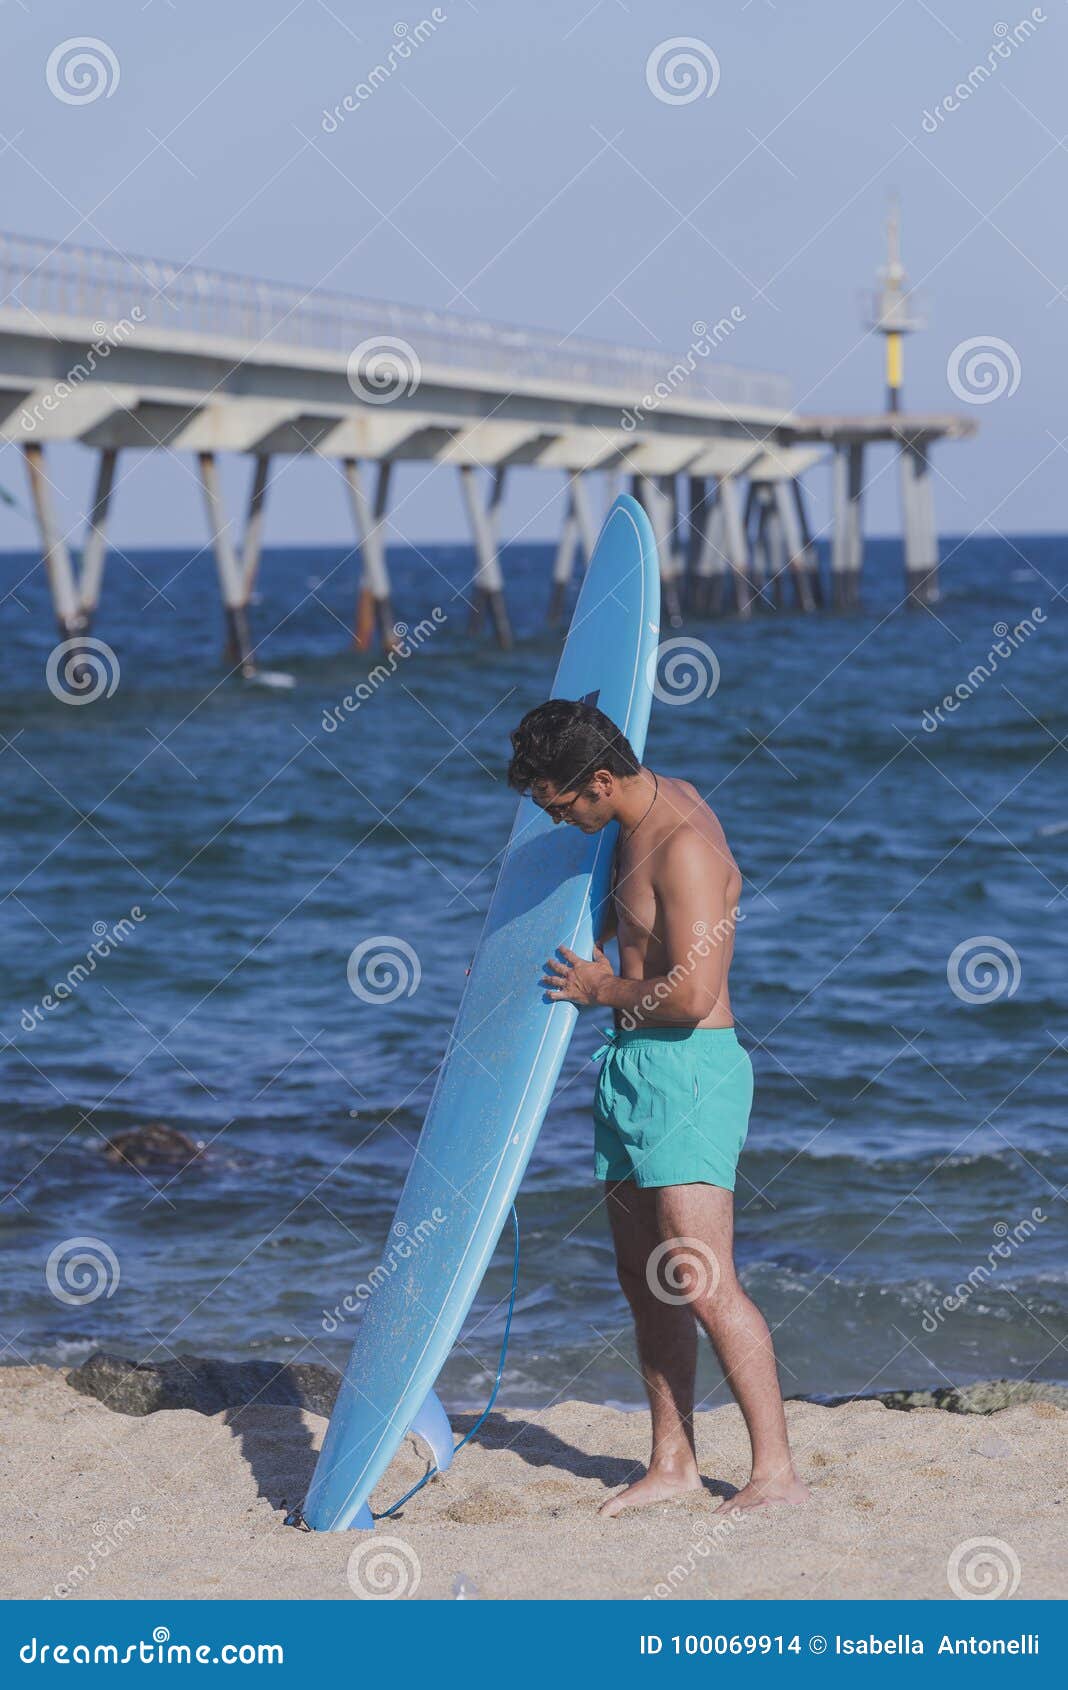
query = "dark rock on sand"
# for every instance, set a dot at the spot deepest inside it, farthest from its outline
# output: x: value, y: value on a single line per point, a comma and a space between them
x: 154, y: 1146
x: 209, y: 1386
x: 205, y: 1385
x: 986, y: 1397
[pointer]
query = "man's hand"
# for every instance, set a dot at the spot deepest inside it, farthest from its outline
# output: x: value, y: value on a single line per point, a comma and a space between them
x: 575, y: 980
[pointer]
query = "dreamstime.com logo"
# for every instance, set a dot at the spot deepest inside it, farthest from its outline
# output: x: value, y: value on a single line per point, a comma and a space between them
x: 682, y: 670
x: 704, y: 938
x: 406, y: 38
x: 82, y: 670
x: 983, y: 369
x: 384, y: 368
x: 705, y: 342
x: 1005, y: 42
x: 1009, y: 1240
x: 682, y: 1270
x: 383, y: 968
x: 107, y: 939
x: 408, y: 642
x: 155, y: 1651
x: 404, y: 1243
x: 80, y: 1270
x: 983, y: 1569
x: 105, y: 1540
x: 106, y: 338
x: 383, y: 1569
x: 711, y: 1542
x: 82, y: 70
x: 1006, y: 641
x: 983, y: 969
x: 681, y: 70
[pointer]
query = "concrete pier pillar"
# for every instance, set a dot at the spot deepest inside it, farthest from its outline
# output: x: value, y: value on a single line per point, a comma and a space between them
x: 774, y: 547
x: 918, y: 520
x: 763, y: 560
x: 714, y: 565
x: 577, y: 533
x: 697, y: 500
x: 374, y: 606
x: 657, y: 500
x: 54, y: 550
x: 788, y: 524
x: 94, y: 548
x: 671, y: 554
x: 698, y: 519
x: 847, y: 539
x: 587, y: 527
x: 708, y: 558
x: 485, y: 526
x: 777, y: 542
x: 239, y: 648
x: 736, y: 544
x: 252, y: 549
x: 809, y: 556
x: 564, y: 561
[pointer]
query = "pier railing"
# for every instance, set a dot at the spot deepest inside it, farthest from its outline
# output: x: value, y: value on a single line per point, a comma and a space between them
x: 94, y: 285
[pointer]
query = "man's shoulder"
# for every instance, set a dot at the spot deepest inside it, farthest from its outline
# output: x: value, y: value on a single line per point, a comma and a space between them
x: 692, y: 846
x: 691, y: 812
x: 687, y: 803
x: 695, y: 840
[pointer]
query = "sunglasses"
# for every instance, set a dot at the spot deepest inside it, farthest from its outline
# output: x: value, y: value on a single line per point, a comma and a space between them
x: 559, y: 811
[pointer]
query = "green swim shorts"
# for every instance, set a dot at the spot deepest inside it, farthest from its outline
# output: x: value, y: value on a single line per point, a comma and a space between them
x: 672, y: 1106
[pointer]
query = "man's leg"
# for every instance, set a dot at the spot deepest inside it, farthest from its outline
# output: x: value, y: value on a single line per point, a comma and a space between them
x: 691, y: 1216
x: 667, y: 1351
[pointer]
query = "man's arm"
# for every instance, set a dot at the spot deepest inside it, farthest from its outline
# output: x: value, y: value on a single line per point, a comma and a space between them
x: 690, y: 883
x: 609, y: 923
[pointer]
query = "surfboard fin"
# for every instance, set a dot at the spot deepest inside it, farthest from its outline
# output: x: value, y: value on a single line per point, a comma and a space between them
x: 431, y: 1424
x: 363, y: 1522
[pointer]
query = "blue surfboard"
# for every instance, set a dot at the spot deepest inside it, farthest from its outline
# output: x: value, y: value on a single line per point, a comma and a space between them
x: 501, y: 1064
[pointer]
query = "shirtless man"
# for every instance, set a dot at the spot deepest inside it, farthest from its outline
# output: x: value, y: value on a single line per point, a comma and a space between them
x: 673, y: 1097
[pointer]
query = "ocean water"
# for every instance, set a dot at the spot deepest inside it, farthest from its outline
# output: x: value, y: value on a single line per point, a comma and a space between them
x: 907, y: 1140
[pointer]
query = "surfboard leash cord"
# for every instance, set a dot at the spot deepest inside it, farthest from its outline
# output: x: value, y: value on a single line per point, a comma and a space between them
x: 432, y: 1473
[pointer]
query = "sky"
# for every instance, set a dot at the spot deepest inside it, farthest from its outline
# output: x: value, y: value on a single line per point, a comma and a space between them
x: 523, y: 165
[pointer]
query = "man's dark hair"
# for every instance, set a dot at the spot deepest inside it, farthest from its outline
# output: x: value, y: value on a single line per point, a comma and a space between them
x: 565, y: 741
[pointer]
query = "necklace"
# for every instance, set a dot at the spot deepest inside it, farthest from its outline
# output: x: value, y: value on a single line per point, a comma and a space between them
x: 625, y: 837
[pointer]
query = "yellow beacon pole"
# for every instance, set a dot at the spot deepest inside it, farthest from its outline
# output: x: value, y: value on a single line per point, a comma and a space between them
x: 894, y: 366
x: 893, y: 312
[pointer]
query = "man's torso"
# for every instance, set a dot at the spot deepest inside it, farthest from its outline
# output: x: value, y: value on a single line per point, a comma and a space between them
x: 641, y: 888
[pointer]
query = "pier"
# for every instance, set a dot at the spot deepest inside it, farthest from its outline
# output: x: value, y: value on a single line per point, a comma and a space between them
x: 912, y: 437
x: 124, y: 354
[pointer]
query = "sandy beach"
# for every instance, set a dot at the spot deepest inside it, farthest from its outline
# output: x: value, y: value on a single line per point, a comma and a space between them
x: 183, y: 1504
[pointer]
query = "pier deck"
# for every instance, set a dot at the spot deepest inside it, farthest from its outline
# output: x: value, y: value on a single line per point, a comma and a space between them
x: 121, y: 354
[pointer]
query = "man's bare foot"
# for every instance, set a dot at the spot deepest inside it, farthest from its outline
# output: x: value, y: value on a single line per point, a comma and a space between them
x: 763, y: 1493
x: 658, y: 1485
